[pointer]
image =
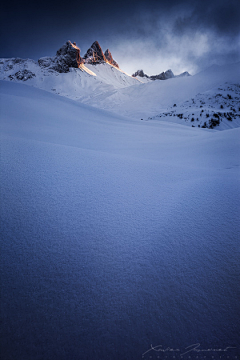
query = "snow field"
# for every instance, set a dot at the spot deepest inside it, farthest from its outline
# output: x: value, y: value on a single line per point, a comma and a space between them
x: 116, y: 233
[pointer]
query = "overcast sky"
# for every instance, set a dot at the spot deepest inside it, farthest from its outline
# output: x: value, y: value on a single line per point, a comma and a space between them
x: 187, y: 35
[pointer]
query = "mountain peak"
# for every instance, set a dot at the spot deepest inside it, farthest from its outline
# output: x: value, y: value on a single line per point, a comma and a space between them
x: 94, y: 54
x: 140, y: 73
x: 163, y: 76
x: 185, y: 73
x: 67, y: 56
x: 110, y: 59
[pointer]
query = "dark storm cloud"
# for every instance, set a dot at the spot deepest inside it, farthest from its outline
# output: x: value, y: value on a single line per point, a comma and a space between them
x: 167, y: 30
x: 219, y: 16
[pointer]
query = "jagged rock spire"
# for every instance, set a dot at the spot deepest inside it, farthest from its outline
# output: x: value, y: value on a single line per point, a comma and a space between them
x: 94, y: 55
x: 163, y: 76
x: 71, y: 52
x: 67, y: 56
x: 140, y: 73
x: 110, y: 59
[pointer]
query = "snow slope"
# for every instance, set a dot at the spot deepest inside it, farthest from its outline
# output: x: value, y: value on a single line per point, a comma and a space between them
x: 79, y: 84
x: 107, y: 87
x: 217, y: 108
x: 150, y: 99
x: 116, y: 233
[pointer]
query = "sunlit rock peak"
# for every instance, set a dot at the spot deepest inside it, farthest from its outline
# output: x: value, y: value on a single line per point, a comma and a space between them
x: 67, y: 56
x: 110, y: 59
x: 72, y: 52
x: 94, y: 54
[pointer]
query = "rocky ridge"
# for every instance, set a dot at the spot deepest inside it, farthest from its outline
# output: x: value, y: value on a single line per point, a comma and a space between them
x: 95, y: 55
x: 110, y: 59
x: 163, y: 76
x: 212, y: 109
x: 67, y: 56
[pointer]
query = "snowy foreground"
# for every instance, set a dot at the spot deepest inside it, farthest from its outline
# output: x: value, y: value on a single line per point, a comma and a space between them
x: 116, y: 233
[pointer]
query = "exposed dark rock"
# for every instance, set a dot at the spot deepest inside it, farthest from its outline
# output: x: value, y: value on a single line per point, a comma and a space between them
x: 22, y: 75
x: 140, y: 73
x: 110, y: 59
x: 19, y: 60
x: 67, y: 56
x: 71, y: 54
x: 163, y: 76
x: 94, y: 55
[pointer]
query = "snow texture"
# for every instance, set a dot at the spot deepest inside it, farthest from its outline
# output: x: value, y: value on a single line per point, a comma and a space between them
x: 117, y: 233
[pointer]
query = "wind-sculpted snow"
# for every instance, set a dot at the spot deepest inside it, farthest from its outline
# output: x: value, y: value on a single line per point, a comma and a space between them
x: 116, y: 233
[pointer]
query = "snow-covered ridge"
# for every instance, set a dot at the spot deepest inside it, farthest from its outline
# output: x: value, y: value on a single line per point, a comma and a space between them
x: 139, y: 74
x: 218, y: 108
x: 157, y: 97
x: 105, y: 86
x: 68, y: 74
x: 66, y: 59
x: 68, y: 56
